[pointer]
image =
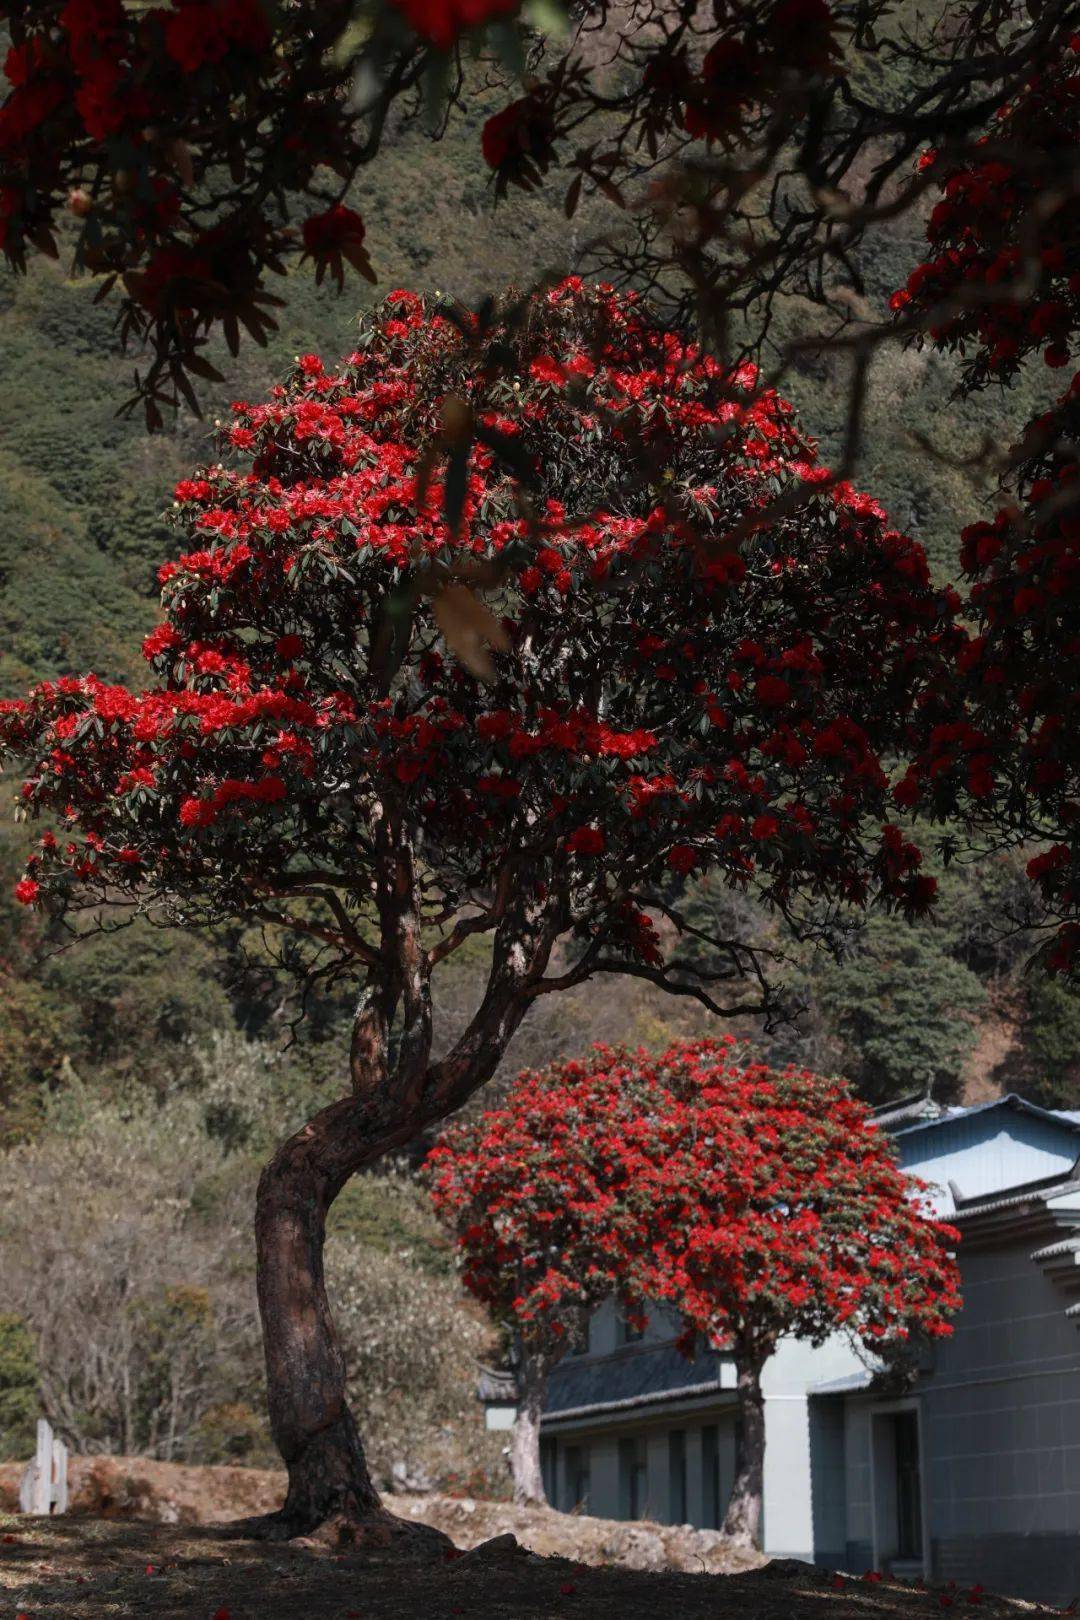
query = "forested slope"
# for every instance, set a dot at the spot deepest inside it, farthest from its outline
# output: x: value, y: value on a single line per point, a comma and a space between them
x: 147, y: 1072
x: 82, y: 497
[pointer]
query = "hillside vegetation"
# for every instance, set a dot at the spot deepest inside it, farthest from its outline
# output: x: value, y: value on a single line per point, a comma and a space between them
x: 174, y: 1063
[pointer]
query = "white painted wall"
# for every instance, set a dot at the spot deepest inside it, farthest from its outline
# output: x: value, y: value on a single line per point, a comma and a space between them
x: 789, y: 1488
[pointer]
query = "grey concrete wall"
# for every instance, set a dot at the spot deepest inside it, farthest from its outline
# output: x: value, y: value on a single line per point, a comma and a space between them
x: 1003, y: 1407
x: 606, y: 1490
x: 1036, y: 1567
x: 1000, y: 1438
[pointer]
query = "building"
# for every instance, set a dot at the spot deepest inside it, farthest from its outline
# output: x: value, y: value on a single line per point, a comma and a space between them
x: 970, y: 1471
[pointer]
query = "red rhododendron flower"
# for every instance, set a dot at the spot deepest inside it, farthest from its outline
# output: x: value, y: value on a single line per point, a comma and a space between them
x: 586, y: 841
x: 442, y: 21
x: 336, y: 228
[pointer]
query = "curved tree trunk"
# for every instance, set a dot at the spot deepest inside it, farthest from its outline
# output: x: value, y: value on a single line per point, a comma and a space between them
x: 525, y: 1440
x: 310, y: 1419
x: 742, y: 1521
x: 390, y: 1104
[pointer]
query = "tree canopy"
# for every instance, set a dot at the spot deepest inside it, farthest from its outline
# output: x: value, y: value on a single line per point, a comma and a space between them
x: 1003, y: 285
x: 657, y: 700
x: 757, y: 1204
x: 198, y: 146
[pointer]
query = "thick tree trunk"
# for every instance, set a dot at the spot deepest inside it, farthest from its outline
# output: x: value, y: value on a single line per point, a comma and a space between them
x: 742, y: 1521
x: 525, y: 1439
x: 305, y: 1370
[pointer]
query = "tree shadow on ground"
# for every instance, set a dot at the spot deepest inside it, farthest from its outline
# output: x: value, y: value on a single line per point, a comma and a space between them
x: 86, y: 1569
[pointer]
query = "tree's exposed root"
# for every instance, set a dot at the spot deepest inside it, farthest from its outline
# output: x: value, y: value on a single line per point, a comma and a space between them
x: 376, y: 1531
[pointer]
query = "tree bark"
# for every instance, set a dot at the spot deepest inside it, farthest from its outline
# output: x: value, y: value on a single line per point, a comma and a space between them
x: 525, y: 1467
x: 390, y: 1104
x: 310, y: 1419
x: 742, y: 1521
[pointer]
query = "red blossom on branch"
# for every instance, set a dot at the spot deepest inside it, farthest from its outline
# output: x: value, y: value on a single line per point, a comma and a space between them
x: 1003, y: 287
x: 256, y: 764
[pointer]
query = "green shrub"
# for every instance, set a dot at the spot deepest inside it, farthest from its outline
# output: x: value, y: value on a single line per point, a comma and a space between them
x: 19, y: 1404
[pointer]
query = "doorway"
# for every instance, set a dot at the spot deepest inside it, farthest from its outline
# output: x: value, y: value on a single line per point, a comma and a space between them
x: 897, y: 1478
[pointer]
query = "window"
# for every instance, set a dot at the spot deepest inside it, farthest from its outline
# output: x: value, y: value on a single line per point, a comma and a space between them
x: 677, y: 1476
x: 633, y: 1477
x: 548, y: 1455
x: 581, y: 1335
x: 577, y: 1478
x: 628, y: 1332
x: 710, y: 1477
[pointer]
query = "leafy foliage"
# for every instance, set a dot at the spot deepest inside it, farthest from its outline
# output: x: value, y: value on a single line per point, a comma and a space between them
x: 905, y: 1013
x: 192, y: 143
x: 267, y: 767
x: 18, y: 1387
x: 1004, y: 285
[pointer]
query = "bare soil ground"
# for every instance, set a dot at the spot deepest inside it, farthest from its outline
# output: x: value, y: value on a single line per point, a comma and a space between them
x: 98, y: 1563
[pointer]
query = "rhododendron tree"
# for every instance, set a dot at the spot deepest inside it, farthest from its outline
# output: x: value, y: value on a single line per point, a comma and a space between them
x: 782, y: 1213
x: 198, y: 145
x: 1002, y: 289
x: 680, y: 674
x: 757, y: 1204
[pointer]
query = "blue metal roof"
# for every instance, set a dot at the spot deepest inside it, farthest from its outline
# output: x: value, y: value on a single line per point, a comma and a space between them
x: 624, y: 1377
x: 1068, y: 1117
x: 990, y: 1149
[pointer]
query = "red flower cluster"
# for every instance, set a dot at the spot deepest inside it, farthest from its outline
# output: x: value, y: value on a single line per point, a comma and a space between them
x: 441, y: 22
x: 1004, y: 281
x: 1002, y: 731
x: 518, y: 142
x: 756, y: 1203
x: 660, y: 700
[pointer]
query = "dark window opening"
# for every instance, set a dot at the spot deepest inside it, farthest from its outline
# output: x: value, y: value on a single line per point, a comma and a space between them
x: 577, y: 1478
x: 629, y: 1332
x: 580, y: 1338
x: 677, y: 1476
x: 547, y: 1468
x: 633, y: 1477
x: 710, y: 1477
x: 908, y: 1486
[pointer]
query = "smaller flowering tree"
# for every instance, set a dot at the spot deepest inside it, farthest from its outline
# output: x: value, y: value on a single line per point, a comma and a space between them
x: 780, y: 1212
x: 758, y: 1204
x: 539, y: 1197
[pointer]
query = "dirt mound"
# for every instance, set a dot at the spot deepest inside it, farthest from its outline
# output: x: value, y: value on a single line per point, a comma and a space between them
x: 635, y: 1545
x: 163, y: 1493
x: 170, y: 1493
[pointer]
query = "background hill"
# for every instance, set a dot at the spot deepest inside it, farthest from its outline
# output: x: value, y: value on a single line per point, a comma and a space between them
x: 163, y: 1068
